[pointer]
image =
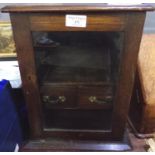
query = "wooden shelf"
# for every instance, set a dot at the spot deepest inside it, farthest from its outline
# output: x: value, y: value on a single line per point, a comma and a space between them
x: 73, y: 75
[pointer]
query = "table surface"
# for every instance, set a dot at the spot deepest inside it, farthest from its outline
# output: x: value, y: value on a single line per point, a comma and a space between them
x: 9, y: 70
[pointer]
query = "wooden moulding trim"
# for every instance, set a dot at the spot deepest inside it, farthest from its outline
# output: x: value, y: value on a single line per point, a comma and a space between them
x: 75, y: 8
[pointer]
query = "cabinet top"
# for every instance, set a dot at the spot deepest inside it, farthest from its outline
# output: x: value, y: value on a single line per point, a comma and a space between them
x: 76, y: 8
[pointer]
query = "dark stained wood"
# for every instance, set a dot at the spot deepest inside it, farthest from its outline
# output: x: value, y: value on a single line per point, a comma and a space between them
x: 103, y: 22
x: 54, y: 92
x: 59, y: 145
x: 76, y: 121
x: 88, y: 122
x: 23, y: 41
x: 103, y: 95
x: 77, y: 97
x: 138, y: 145
x: 132, y: 38
x: 76, y: 75
x: 78, y: 134
x: 76, y: 8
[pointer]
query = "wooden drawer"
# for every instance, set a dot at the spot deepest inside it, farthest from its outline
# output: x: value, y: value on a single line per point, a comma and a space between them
x: 97, y: 22
x: 95, y: 97
x: 58, y: 96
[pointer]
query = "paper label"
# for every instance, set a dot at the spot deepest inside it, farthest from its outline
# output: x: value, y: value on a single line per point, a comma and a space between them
x: 76, y: 20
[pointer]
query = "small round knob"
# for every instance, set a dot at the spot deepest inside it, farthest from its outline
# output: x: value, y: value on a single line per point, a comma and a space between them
x: 92, y: 99
x: 62, y: 98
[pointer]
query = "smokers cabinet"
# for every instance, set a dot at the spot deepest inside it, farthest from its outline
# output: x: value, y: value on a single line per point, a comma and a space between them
x: 77, y: 65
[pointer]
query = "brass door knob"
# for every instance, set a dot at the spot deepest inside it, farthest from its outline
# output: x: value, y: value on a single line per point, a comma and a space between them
x: 94, y: 99
x: 54, y: 100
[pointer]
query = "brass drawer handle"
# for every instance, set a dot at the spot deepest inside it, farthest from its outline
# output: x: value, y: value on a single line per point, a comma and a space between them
x: 59, y: 99
x: 94, y: 99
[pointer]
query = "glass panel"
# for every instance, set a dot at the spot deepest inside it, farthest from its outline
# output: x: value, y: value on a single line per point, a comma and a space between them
x: 77, y: 77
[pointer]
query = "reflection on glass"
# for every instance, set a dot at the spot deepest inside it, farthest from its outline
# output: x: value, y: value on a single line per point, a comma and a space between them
x: 77, y: 73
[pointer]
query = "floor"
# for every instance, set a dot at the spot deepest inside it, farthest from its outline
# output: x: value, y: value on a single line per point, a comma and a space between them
x: 139, y: 145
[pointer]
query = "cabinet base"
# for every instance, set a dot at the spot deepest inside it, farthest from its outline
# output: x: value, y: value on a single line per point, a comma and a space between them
x: 59, y: 145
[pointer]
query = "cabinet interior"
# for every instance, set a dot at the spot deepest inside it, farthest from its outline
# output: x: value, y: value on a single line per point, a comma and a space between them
x: 77, y: 77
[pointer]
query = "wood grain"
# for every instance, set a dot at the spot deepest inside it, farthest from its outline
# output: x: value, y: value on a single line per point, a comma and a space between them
x: 25, y: 54
x: 37, y: 19
x: 76, y: 8
x: 132, y: 40
x: 98, y: 22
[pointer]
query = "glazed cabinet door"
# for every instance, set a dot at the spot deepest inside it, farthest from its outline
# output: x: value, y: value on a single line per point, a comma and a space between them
x: 78, y: 80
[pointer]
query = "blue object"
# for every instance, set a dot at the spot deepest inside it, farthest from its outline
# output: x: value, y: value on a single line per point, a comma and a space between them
x: 10, y: 131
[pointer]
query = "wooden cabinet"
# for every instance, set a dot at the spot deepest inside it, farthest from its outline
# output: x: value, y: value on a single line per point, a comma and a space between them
x: 78, y: 73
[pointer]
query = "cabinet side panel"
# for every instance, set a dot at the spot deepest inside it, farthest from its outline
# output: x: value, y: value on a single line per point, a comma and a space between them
x: 132, y: 39
x: 25, y: 54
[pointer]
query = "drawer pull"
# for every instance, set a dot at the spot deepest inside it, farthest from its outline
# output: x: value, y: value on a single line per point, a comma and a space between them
x: 93, y: 99
x: 54, y: 100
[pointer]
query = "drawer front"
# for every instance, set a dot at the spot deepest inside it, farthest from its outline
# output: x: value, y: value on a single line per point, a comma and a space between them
x: 94, y: 22
x: 95, y: 97
x: 58, y: 97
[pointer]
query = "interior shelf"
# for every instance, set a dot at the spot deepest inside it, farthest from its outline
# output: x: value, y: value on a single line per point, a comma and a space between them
x: 74, y: 75
x: 76, y: 66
